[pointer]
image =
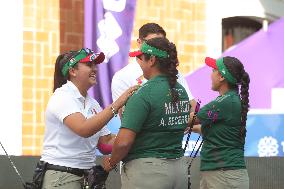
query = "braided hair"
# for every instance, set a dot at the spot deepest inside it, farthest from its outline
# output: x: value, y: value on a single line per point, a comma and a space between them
x: 167, y: 66
x: 62, y: 59
x: 236, y: 68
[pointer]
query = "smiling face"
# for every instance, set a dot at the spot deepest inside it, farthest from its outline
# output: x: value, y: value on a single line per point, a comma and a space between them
x: 85, y: 74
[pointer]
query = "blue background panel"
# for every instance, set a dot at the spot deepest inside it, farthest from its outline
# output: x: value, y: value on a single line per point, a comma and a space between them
x: 265, y: 135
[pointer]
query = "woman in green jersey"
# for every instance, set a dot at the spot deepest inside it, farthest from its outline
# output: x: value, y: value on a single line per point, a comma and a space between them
x: 223, y: 127
x: 150, y: 138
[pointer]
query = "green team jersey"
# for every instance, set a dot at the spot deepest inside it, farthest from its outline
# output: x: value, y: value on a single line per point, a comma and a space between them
x: 159, y: 123
x: 221, y: 123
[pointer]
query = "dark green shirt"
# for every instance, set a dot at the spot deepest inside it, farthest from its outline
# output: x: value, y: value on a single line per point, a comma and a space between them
x: 158, y: 123
x: 221, y: 123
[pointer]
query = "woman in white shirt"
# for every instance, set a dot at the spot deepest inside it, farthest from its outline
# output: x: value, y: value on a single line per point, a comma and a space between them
x: 75, y: 122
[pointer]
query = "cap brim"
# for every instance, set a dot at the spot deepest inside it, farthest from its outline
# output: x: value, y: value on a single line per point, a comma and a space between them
x: 94, y: 57
x: 100, y: 58
x: 211, y: 62
x: 135, y: 53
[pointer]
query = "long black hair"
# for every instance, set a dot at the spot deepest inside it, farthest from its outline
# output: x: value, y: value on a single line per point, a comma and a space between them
x: 167, y: 65
x: 62, y: 59
x: 236, y: 68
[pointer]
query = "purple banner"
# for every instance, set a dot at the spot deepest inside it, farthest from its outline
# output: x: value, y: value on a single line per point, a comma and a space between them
x: 108, y: 27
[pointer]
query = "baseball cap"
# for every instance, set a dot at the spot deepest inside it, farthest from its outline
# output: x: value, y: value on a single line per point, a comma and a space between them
x: 220, y: 66
x: 83, y: 56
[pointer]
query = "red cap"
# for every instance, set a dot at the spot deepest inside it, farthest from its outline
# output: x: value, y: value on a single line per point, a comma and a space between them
x: 97, y: 58
x: 135, y: 53
x: 211, y: 62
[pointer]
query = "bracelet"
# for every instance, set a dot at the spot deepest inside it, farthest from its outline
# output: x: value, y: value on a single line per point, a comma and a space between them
x: 113, y: 111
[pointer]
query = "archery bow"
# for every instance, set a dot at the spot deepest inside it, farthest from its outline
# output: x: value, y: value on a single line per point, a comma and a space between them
x: 197, y: 107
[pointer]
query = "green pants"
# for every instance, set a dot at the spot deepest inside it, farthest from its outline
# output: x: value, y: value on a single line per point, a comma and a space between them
x: 61, y: 180
x: 220, y: 179
x: 154, y: 173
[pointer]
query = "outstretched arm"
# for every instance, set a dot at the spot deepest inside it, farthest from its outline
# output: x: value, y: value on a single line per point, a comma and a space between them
x: 88, y: 127
x: 121, y: 147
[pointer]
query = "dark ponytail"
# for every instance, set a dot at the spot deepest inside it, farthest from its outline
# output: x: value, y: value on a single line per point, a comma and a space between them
x: 167, y: 65
x: 172, y: 70
x: 245, y: 80
x: 59, y: 79
x: 236, y: 68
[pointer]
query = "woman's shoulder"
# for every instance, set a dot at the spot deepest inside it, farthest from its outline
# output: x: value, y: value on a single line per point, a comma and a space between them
x: 225, y: 101
x: 61, y: 93
x: 143, y: 88
x: 140, y: 94
x: 60, y: 97
x: 228, y: 97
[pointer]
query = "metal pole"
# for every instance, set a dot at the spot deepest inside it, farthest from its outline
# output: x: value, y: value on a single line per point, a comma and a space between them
x: 13, y: 165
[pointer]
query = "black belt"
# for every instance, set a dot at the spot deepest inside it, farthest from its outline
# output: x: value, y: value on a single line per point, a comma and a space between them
x: 74, y: 171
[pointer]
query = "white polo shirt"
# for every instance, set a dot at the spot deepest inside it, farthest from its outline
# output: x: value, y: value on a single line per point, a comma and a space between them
x: 61, y: 145
x: 131, y: 75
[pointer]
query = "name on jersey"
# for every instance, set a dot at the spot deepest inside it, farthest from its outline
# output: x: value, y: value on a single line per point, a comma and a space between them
x: 175, y: 109
x: 179, y: 107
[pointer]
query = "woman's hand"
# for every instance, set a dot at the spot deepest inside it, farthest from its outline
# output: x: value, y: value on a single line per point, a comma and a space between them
x: 120, y: 102
x: 195, y: 129
x: 106, y: 164
x: 192, y: 118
